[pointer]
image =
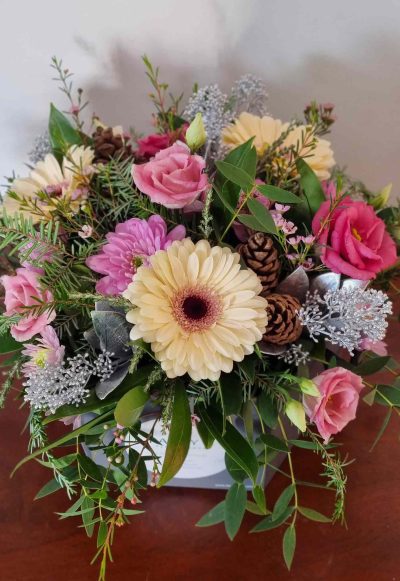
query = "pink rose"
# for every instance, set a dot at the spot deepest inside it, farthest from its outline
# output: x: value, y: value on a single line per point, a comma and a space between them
x: 354, y: 240
x: 173, y: 178
x: 337, y: 404
x: 23, y: 290
x: 152, y: 144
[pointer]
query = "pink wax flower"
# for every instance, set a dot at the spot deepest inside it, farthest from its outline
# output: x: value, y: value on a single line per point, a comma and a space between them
x: 151, y: 144
x: 174, y: 178
x: 23, y: 290
x: 337, y: 404
x: 377, y: 347
x: 128, y: 248
x: 354, y: 240
x: 47, y: 351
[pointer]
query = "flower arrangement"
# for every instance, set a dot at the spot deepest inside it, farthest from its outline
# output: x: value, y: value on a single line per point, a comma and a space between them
x: 220, y: 269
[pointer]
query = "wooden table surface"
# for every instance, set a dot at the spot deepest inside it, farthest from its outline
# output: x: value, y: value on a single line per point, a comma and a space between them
x: 164, y: 544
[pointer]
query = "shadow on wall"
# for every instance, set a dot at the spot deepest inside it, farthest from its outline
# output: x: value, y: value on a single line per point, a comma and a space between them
x: 365, y: 89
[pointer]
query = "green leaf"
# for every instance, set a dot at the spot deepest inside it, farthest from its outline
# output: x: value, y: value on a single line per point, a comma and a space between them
x: 90, y: 468
x: 229, y: 196
x: 51, y: 486
x: 235, y: 507
x: 273, y: 442
x: 206, y: 437
x: 254, y: 508
x: 245, y: 157
x: 289, y: 545
x: 179, y: 435
x: 372, y: 365
x: 383, y: 427
x: 235, y: 471
x: 310, y: 185
x: 304, y: 444
x: 269, y: 523
x: 62, y: 133
x: 232, y: 441
x: 235, y: 174
x: 8, y: 344
x: 215, y: 516
x: 87, y: 515
x: 262, y: 215
x: 69, y: 437
x: 278, y: 195
x: 268, y: 410
x: 282, y: 503
x: 312, y: 514
x: 130, y: 406
x: 252, y: 222
x: 102, y: 533
x: 231, y: 394
x: 259, y: 497
x: 387, y: 394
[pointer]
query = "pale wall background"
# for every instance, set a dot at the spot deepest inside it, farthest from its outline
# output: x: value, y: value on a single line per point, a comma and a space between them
x: 344, y: 51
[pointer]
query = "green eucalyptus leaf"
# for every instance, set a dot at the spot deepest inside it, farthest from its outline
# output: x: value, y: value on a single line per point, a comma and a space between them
x: 387, y: 395
x: 273, y: 442
x: 235, y: 507
x: 62, y: 133
x: 268, y: 410
x: 268, y: 523
x: 231, y: 393
x: 206, y: 437
x: 235, y: 471
x: 289, y: 545
x: 231, y: 440
x: 102, y: 533
x: 179, y: 435
x: 8, y: 344
x: 372, y: 365
x: 130, y: 406
x: 88, y: 511
x: 282, y: 503
x: 215, y: 516
x: 314, y: 515
x: 262, y: 215
x: 259, y: 497
x: 278, y: 194
x: 49, y: 488
x: 245, y: 157
x: 310, y: 185
x: 235, y: 175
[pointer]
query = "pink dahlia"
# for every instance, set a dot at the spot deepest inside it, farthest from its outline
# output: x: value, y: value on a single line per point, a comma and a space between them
x: 130, y: 246
x: 47, y: 351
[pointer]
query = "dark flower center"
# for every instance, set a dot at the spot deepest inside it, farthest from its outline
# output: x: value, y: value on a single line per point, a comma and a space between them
x: 195, y: 308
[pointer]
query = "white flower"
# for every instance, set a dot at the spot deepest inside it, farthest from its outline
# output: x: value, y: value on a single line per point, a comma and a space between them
x: 199, y: 310
x: 66, y: 182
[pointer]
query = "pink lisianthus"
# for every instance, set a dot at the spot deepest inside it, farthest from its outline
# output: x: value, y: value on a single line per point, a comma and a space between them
x: 151, y: 144
x: 174, y: 178
x: 130, y: 246
x: 377, y: 347
x: 337, y: 404
x: 47, y: 351
x: 354, y: 240
x: 24, y: 290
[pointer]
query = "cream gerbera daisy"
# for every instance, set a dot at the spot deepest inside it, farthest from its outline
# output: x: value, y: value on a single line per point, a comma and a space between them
x: 199, y: 310
x: 68, y: 181
x: 266, y: 131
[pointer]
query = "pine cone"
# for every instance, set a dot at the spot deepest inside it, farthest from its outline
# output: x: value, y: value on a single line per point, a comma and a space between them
x: 260, y: 254
x: 283, y: 326
x: 107, y: 146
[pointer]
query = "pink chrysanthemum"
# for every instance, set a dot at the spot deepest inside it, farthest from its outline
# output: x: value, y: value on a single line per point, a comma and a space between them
x: 130, y: 246
x: 47, y: 351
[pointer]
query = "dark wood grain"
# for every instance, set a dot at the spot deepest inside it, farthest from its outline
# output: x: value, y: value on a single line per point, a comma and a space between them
x: 163, y: 544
